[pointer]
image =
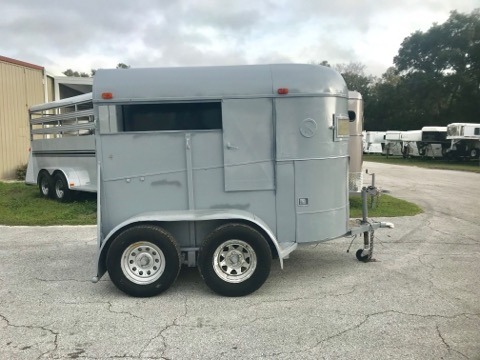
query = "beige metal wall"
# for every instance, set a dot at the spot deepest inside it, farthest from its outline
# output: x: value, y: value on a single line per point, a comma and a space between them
x: 21, y: 86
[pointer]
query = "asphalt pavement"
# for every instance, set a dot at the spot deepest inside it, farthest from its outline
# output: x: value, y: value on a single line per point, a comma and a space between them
x: 419, y: 299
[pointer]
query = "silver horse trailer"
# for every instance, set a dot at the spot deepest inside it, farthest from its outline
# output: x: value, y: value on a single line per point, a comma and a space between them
x: 223, y: 168
x: 355, y: 143
x: 62, y: 147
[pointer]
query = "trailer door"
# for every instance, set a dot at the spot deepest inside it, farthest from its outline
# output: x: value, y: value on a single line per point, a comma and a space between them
x: 248, y: 145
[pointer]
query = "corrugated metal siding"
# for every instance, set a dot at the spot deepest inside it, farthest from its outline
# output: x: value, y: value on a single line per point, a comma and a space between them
x: 20, y: 88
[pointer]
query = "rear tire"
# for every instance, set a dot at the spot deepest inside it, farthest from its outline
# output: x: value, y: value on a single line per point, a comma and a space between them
x: 143, y: 260
x: 234, y: 260
x: 45, y: 185
x: 474, y: 153
x: 61, y: 192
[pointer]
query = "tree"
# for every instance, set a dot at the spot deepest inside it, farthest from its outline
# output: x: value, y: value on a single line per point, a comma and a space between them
x: 123, y: 66
x: 70, y: 72
x: 442, y: 68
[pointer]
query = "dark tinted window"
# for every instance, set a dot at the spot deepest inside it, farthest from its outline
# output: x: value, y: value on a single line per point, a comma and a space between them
x: 477, y: 131
x: 178, y: 116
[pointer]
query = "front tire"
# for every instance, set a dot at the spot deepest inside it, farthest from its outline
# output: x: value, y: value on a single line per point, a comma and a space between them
x: 45, y: 184
x: 143, y: 260
x: 234, y: 260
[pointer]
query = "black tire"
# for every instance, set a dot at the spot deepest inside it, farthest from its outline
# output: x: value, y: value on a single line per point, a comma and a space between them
x: 45, y: 184
x: 61, y: 192
x: 247, y: 267
x: 364, y: 258
x: 474, y: 153
x: 143, y: 261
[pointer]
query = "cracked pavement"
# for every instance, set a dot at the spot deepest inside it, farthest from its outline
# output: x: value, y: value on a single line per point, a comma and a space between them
x: 420, y: 299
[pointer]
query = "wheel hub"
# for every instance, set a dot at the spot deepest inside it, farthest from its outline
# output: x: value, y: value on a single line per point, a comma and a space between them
x: 234, y: 261
x: 143, y: 262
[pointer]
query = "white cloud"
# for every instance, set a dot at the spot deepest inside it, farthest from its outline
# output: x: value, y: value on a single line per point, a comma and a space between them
x: 93, y: 34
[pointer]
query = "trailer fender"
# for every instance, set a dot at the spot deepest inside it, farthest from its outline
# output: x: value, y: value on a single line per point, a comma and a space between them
x: 75, y: 177
x: 191, y: 215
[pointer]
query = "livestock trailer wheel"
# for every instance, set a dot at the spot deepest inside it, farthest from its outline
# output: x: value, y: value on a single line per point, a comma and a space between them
x: 363, y: 258
x: 45, y: 184
x: 234, y: 260
x: 60, y: 186
x: 143, y: 260
x: 474, y: 153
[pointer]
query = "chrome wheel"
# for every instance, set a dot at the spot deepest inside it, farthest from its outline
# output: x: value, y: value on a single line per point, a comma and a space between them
x: 59, y: 189
x: 143, y: 262
x: 44, y: 186
x: 234, y: 261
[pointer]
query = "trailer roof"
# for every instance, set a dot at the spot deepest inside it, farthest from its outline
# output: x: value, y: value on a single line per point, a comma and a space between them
x: 435, y: 128
x: 354, y: 95
x: 60, y: 103
x: 463, y: 124
x: 216, y: 82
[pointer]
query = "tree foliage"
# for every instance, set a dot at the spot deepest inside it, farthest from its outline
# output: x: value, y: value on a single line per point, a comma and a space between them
x: 436, y: 78
x: 70, y: 72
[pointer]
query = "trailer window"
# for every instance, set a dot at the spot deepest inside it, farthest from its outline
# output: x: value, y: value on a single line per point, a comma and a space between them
x: 176, y: 116
x: 477, y: 131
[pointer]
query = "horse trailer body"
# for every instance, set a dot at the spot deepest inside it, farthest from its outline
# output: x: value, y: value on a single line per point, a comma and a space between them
x: 221, y: 167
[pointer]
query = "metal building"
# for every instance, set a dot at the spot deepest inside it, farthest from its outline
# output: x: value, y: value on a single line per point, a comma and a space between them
x: 22, y: 85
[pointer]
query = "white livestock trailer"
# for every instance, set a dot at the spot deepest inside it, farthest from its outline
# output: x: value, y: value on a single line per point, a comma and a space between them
x: 62, y: 151
x: 374, y: 142
x: 434, y: 142
x: 410, y: 140
x: 465, y: 140
x: 393, y: 143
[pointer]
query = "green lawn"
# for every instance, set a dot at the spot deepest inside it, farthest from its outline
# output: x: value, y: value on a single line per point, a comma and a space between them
x: 472, y: 165
x: 383, y: 206
x: 22, y: 205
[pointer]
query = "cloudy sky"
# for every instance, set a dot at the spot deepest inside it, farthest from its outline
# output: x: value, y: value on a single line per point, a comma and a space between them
x: 87, y: 34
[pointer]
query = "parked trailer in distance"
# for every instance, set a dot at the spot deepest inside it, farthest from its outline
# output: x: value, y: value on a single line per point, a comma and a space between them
x: 464, y: 140
x: 221, y: 168
x: 62, y: 150
x: 355, y: 143
x: 434, y: 142
x: 374, y: 142
x: 410, y: 140
x: 393, y: 143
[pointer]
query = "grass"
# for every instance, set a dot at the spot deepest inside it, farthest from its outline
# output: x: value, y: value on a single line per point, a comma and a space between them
x: 471, y: 166
x: 383, y: 206
x: 22, y: 205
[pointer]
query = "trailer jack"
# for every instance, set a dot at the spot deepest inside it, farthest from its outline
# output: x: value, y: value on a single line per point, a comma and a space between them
x: 367, y: 228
